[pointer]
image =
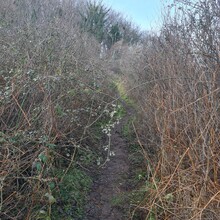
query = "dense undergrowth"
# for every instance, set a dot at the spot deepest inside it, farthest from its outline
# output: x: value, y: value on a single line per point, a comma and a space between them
x: 174, y: 81
x: 57, y: 97
x: 54, y: 91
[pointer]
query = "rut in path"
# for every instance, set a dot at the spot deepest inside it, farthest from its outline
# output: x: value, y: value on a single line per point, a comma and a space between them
x: 111, y: 179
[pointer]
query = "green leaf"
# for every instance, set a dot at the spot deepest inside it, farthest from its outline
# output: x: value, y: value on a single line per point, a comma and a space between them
x: 2, y: 134
x: 72, y: 92
x: 51, y: 199
x: 2, y: 141
x: 38, y: 166
x: 51, y: 146
x: 42, y: 157
x: 59, y: 110
x: 51, y: 185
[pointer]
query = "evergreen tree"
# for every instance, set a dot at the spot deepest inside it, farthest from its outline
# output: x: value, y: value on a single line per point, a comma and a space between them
x: 95, y: 19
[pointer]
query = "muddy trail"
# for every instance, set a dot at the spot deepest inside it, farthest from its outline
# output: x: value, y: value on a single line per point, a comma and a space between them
x: 110, y: 180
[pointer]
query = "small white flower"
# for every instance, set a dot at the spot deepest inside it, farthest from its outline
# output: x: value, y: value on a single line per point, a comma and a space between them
x: 112, y: 153
x: 105, y: 147
x: 98, y: 161
x: 112, y: 114
x: 104, y: 130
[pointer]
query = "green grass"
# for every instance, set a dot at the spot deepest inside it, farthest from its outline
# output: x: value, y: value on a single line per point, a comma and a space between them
x: 72, y: 191
x: 123, y: 93
x: 127, y: 130
x: 121, y: 112
x: 118, y: 200
x: 137, y: 181
x: 71, y: 194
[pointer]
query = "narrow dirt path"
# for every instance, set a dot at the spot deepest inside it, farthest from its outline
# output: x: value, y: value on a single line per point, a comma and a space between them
x: 111, y: 179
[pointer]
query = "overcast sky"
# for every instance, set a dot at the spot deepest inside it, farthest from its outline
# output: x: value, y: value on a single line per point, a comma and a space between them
x: 144, y: 13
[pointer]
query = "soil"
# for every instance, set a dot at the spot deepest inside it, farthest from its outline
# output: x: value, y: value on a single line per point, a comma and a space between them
x: 110, y: 180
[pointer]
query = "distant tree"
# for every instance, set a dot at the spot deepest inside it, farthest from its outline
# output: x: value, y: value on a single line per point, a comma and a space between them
x: 114, y: 35
x: 95, y: 19
x: 130, y: 33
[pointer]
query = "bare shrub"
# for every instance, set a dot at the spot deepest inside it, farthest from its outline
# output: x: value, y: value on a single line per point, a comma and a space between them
x: 177, y: 91
x: 53, y: 87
